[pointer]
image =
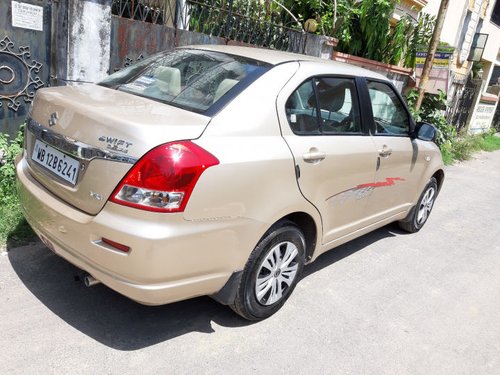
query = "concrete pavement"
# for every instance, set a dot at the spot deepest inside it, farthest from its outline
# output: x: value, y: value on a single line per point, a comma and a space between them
x: 387, y: 303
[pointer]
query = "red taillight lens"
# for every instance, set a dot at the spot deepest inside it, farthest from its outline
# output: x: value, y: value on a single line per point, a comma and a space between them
x: 163, y: 179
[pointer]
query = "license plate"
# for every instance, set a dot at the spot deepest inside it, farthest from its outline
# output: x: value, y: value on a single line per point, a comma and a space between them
x: 55, y: 161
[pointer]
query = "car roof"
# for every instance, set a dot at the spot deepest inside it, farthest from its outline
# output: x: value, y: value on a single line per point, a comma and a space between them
x: 274, y: 57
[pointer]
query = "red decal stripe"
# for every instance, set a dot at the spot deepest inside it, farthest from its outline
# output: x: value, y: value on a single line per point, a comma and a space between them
x: 388, y: 182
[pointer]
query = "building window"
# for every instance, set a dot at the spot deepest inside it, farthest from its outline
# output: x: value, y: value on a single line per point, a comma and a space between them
x: 495, y: 76
x: 477, y: 47
x: 495, y: 14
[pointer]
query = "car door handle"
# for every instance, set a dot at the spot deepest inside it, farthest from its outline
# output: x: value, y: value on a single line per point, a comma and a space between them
x: 313, y: 156
x: 385, y: 152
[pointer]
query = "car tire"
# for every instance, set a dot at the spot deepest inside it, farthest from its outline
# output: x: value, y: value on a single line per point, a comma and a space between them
x: 421, y: 211
x: 271, y: 273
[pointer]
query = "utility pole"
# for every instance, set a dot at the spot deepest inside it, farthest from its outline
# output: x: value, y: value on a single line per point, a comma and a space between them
x: 424, y: 78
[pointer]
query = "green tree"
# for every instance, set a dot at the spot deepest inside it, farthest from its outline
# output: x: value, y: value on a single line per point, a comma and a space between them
x: 363, y: 29
x: 419, y: 36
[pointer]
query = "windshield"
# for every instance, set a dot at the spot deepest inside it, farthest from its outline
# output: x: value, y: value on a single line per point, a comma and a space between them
x: 191, y: 79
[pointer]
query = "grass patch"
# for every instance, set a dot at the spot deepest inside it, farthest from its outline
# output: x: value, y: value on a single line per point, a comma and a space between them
x: 491, y: 143
x: 446, y: 154
x: 14, y: 229
x: 464, y: 147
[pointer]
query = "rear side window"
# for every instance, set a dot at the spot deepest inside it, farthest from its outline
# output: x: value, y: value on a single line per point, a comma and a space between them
x: 301, y: 110
x: 190, y: 79
x: 389, y: 113
x: 325, y: 105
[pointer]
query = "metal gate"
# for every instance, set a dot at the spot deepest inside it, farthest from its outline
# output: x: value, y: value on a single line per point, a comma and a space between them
x: 25, y: 54
x: 463, y: 103
x: 496, y: 119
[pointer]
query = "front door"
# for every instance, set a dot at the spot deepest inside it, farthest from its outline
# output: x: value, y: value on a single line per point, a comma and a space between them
x: 398, y: 164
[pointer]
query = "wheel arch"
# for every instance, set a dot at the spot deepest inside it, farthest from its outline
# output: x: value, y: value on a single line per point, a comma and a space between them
x: 308, y: 226
x: 304, y: 222
x: 439, y: 176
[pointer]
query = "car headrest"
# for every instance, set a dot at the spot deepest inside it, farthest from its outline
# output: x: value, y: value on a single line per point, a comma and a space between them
x: 169, y: 79
x: 332, y: 98
x: 226, y: 85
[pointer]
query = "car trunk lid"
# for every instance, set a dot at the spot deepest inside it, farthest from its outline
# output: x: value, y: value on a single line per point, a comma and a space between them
x: 100, y: 131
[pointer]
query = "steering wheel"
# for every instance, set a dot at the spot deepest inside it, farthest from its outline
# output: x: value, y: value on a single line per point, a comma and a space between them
x: 380, y: 128
x: 346, y: 124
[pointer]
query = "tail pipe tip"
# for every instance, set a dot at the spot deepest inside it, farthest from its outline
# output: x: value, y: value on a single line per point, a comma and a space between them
x: 90, y: 280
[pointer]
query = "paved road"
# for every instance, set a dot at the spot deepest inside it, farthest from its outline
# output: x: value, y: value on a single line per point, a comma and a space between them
x: 387, y: 303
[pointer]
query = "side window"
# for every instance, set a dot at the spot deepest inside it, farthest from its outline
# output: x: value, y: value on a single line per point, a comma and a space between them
x: 389, y: 113
x: 338, y: 106
x: 336, y: 113
x: 301, y: 110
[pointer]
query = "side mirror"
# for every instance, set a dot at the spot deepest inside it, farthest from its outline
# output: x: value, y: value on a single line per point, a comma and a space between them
x: 425, y: 131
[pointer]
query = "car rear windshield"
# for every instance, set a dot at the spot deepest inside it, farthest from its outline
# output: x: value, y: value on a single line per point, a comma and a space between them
x: 195, y: 80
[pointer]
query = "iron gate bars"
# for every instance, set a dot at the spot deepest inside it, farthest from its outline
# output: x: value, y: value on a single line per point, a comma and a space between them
x: 267, y: 24
x: 19, y: 74
x: 153, y: 11
x: 248, y: 21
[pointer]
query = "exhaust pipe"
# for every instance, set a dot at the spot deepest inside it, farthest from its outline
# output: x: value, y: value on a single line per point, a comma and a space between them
x: 90, y: 280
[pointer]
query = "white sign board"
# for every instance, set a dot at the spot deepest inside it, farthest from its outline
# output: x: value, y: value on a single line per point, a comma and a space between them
x: 482, y: 118
x: 27, y: 16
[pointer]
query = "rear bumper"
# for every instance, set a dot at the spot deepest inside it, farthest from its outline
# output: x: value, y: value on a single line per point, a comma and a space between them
x: 170, y: 258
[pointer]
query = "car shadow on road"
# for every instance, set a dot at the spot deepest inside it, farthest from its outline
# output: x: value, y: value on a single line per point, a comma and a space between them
x: 105, y: 315
x: 120, y: 323
x: 351, y: 247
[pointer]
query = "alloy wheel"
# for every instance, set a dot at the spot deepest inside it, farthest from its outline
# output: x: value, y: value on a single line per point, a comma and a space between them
x: 426, y: 206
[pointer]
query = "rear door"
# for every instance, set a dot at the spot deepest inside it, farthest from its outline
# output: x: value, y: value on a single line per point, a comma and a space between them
x: 334, y: 155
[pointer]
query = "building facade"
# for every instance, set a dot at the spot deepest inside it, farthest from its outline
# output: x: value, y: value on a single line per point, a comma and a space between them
x: 472, y: 27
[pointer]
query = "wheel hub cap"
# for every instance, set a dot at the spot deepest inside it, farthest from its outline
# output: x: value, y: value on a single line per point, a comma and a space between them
x: 276, y: 273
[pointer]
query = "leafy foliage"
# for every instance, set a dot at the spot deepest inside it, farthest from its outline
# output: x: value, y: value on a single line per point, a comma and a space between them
x: 9, y: 149
x: 346, y: 29
x: 398, y: 45
x: 374, y: 27
x: 363, y: 29
x: 453, y: 147
x: 432, y: 111
x: 263, y: 23
x: 14, y: 229
x: 419, y: 36
x: 464, y: 147
x: 491, y: 142
x: 13, y: 226
x: 304, y: 9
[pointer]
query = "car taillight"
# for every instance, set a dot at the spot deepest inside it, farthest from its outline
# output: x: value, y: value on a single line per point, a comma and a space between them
x: 163, y: 179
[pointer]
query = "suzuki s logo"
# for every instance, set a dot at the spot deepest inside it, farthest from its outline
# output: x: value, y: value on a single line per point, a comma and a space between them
x: 53, y: 119
x: 96, y: 196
